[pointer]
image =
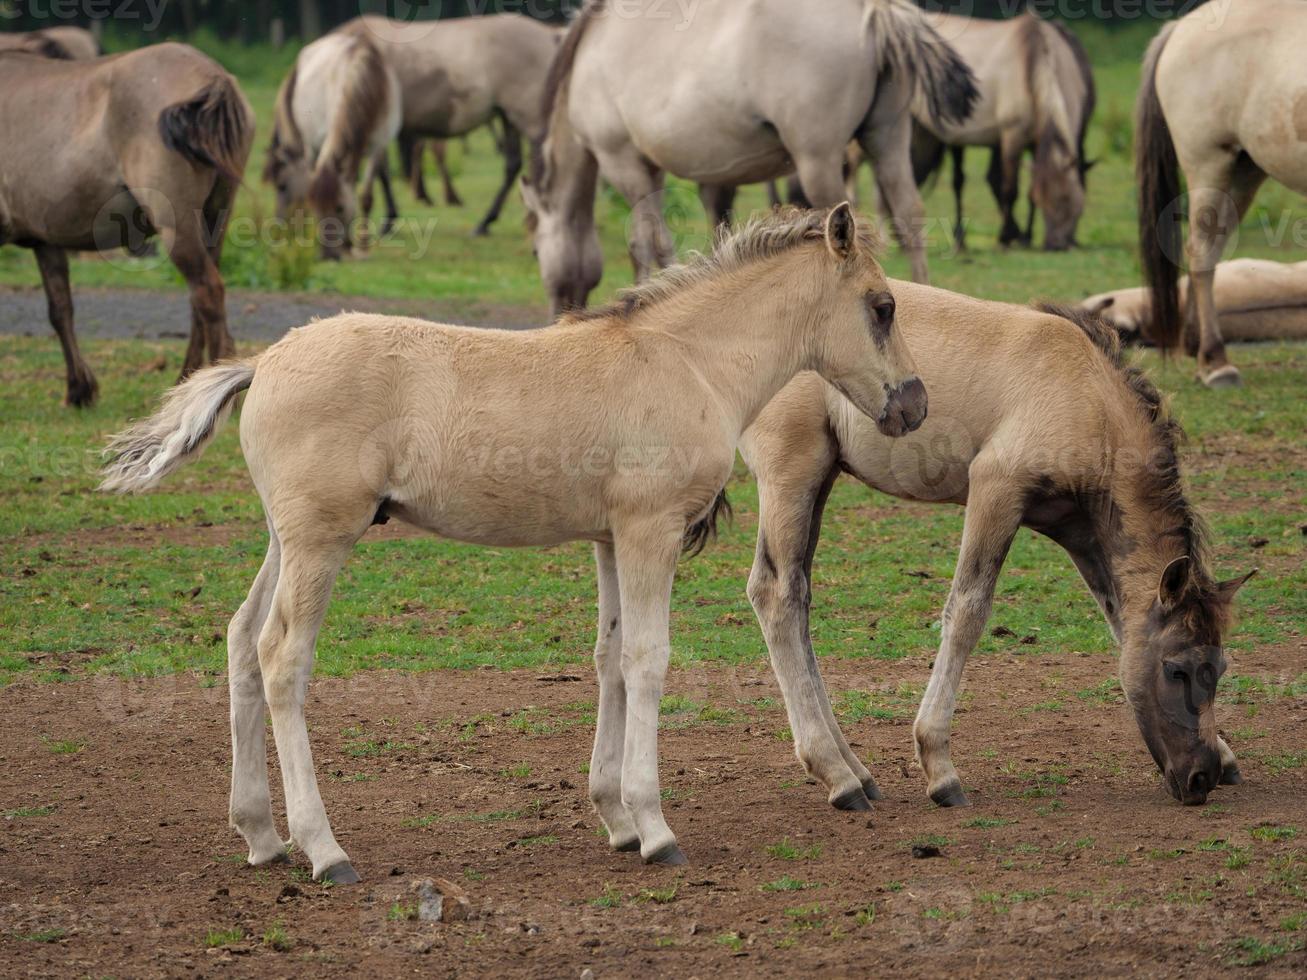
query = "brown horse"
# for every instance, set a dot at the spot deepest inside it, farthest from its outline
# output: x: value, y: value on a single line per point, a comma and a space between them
x: 162, y: 154
x: 68, y: 43
x: 1223, y: 101
x: 1035, y: 422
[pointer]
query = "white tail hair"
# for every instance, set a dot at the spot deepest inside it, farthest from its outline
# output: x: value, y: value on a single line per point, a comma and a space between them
x: 147, y: 451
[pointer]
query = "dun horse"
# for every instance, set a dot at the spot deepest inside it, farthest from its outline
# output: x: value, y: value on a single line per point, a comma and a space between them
x: 1035, y: 422
x: 1227, y: 107
x: 162, y: 154
x: 627, y: 418
x: 337, y: 110
x: 458, y: 75
x: 68, y: 43
x: 1037, y: 93
x: 634, y: 95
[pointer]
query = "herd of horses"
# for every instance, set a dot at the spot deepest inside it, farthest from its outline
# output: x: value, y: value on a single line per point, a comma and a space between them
x: 787, y: 343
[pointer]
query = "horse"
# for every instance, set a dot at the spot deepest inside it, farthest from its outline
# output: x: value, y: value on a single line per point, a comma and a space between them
x: 627, y: 419
x: 67, y: 43
x: 338, y: 109
x: 460, y: 74
x: 162, y: 154
x: 1256, y: 299
x: 634, y: 95
x: 1224, y: 108
x: 1037, y: 93
x: 411, y: 152
x: 1037, y: 422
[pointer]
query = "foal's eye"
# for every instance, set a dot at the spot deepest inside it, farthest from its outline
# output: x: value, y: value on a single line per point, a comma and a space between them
x: 880, y: 307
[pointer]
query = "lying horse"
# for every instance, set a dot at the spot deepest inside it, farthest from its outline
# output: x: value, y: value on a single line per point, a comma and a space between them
x: 1080, y: 449
x: 162, y: 154
x: 337, y: 110
x: 1256, y: 299
x: 628, y: 416
x: 1223, y: 101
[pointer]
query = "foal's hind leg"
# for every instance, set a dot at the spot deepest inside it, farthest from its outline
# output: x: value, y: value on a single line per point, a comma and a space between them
x: 992, y: 520
x: 250, y: 809
x: 53, y: 263
x: 610, y: 730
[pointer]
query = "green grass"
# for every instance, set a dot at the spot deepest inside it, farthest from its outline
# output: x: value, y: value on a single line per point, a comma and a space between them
x: 787, y: 851
x: 223, y: 937
x: 787, y: 883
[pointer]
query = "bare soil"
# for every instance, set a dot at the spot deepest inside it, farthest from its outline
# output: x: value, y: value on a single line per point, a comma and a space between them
x: 1072, y: 860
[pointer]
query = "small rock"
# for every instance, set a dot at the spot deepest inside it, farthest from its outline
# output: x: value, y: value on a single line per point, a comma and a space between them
x: 1029, y: 639
x: 288, y: 892
x: 925, y: 851
x: 440, y: 900
x: 587, y: 974
x: 1001, y: 631
x: 530, y: 928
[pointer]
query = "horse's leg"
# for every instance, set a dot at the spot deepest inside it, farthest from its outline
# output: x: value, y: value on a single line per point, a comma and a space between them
x: 888, y: 142
x: 646, y: 562
x: 185, y: 240
x: 382, y: 164
x: 610, y: 730
x: 217, y: 215
x: 959, y: 184
x: 81, y: 387
x: 718, y: 203
x: 992, y: 518
x: 791, y: 498
x: 299, y: 602
x: 440, y: 150
x: 649, y: 239
x: 1219, y: 194
x: 854, y: 157
x: 410, y: 161
x: 250, y: 809
x: 1010, y: 150
x: 512, y: 167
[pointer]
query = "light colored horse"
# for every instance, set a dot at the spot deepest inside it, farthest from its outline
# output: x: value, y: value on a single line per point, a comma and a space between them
x: 1256, y: 299
x: 68, y: 43
x: 1037, y: 93
x: 337, y: 110
x: 460, y: 74
x: 635, y: 94
x: 618, y: 426
x: 162, y: 153
x: 1035, y: 422
x: 1224, y: 101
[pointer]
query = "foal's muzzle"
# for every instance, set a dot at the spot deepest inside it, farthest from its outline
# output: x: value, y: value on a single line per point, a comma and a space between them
x: 905, y: 409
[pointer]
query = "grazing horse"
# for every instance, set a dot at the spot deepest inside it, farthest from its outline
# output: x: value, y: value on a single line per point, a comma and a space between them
x: 633, y: 95
x: 338, y: 109
x: 1037, y: 93
x: 68, y: 43
x: 458, y: 75
x: 1035, y: 421
x: 162, y: 153
x: 626, y: 419
x: 1225, y: 103
x: 1256, y: 299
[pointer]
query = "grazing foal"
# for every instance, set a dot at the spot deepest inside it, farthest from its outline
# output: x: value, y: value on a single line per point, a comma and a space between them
x: 622, y: 422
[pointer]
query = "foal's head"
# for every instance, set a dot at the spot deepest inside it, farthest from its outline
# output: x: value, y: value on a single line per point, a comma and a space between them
x: 859, y: 348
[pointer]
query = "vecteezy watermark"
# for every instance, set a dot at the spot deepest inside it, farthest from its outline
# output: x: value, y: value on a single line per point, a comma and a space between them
x: 149, y: 13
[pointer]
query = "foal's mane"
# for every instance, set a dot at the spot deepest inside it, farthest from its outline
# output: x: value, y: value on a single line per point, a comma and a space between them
x: 762, y: 237
x: 1159, y: 479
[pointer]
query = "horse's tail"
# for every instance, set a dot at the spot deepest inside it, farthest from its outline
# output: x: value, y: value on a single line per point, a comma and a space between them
x: 148, y: 450
x: 698, y: 534
x: 1157, y: 172
x: 213, y: 128
x: 362, y: 107
x: 907, y: 45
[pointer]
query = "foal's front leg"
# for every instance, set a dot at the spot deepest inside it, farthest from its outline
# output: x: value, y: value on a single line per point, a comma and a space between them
x: 993, y: 518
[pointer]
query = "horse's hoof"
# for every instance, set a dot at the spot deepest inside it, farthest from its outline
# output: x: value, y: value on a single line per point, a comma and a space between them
x: 627, y: 846
x: 872, y: 791
x: 1227, y: 376
x: 342, y: 873
x: 82, y: 393
x: 480, y: 231
x: 950, y: 794
x: 669, y: 856
x: 855, y: 799
x: 1231, y: 776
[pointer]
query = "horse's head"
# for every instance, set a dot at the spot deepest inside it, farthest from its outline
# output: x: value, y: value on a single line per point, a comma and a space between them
x: 1058, y: 190
x: 859, y: 348
x: 571, y: 263
x: 335, y: 205
x: 1170, y: 664
x: 288, y: 173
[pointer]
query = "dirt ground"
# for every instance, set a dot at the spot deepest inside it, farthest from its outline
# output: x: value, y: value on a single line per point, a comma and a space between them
x: 115, y: 857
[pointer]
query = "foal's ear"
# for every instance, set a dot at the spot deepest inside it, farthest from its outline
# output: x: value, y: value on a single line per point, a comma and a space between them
x: 1174, y: 581
x: 841, y: 231
x: 1102, y: 304
x: 1228, y: 588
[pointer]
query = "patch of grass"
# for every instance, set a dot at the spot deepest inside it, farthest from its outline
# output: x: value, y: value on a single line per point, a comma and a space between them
x: 223, y: 937
x: 64, y: 746
x: 1239, y: 857
x: 934, y: 840
x: 788, y: 851
x: 610, y: 899
x: 1295, y: 922
x: 538, y: 841
x: 659, y: 896
x: 401, y: 912
x: 1274, y: 833
x: 731, y: 940
x: 787, y: 883
x: 29, y: 811
x: 987, y: 823
x: 521, y: 771
x: 806, y: 916
x: 1251, y: 951
x: 866, y: 915
x: 276, y: 937
x: 1284, y: 761
x: 42, y: 935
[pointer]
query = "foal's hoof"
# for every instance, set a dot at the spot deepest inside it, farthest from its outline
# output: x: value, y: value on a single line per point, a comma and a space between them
x: 1226, y: 376
x: 872, y: 790
x: 950, y: 794
x: 854, y: 799
x: 1231, y: 776
x: 669, y: 856
x: 340, y: 874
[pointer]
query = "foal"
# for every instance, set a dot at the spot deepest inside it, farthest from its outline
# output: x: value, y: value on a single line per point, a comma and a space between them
x: 626, y: 420
x: 1074, y: 445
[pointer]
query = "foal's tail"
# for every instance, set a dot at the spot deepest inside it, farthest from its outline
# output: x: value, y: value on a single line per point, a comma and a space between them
x: 143, y: 454
x: 213, y: 128
x: 1157, y: 172
x: 907, y: 45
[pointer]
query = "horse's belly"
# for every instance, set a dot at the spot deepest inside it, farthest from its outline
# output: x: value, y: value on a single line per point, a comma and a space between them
x: 508, y: 520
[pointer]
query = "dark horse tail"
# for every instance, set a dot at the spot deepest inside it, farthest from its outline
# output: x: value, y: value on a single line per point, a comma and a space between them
x: 211, y: 129
x: 698, y: 534
x: 1157, y: 171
